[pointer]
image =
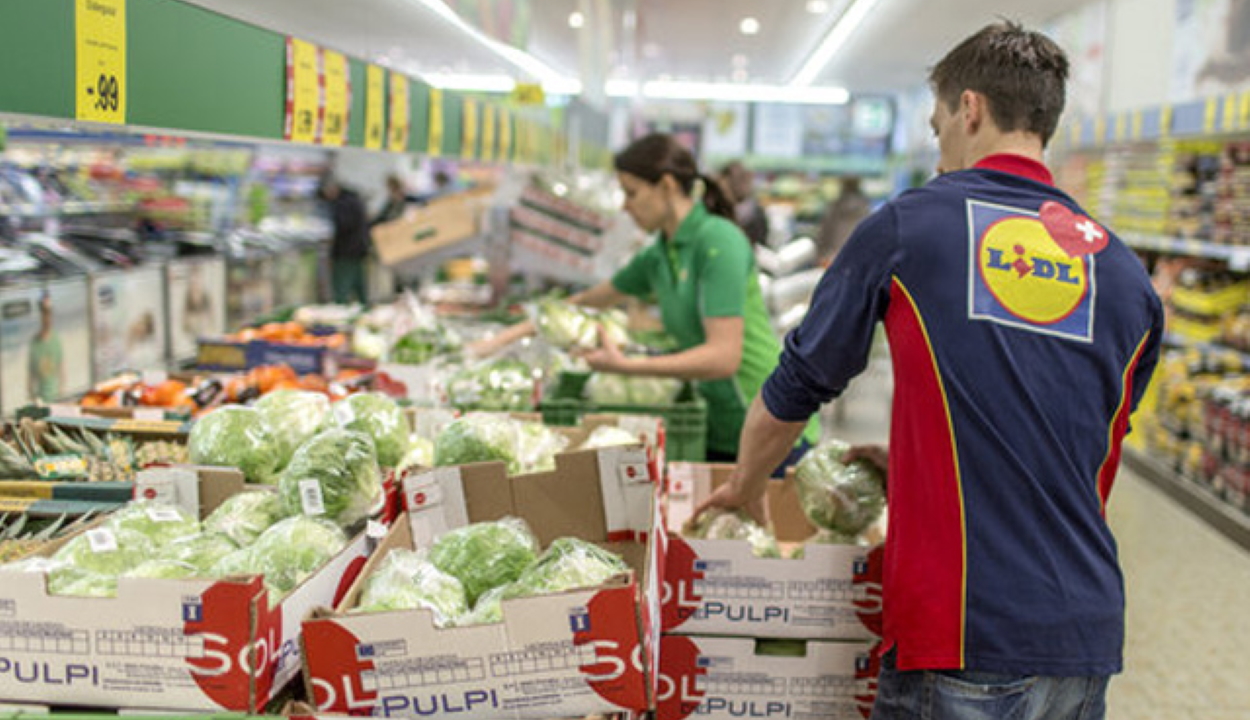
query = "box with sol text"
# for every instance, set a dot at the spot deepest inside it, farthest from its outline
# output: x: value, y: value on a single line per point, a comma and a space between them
x: 720, y: 678
x: 574, y: 653
x: 719, y: 587
x: 161, y: 644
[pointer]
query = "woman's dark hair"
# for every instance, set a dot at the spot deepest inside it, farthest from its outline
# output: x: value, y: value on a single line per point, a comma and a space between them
x: 654, y: 156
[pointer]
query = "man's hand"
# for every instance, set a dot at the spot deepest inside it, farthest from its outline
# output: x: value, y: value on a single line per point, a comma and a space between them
x: 878, y: 455
x: 607, y: 357
x: 733, y: 496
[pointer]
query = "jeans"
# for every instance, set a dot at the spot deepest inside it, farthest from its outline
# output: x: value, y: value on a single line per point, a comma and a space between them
x: 347, y: 276
x: 975, y: 695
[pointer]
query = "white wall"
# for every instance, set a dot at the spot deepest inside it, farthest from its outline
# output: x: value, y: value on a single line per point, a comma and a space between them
x: 1139, y: 53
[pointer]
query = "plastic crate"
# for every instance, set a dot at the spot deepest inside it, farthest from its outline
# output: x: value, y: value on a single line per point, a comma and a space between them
x: 685, y: 420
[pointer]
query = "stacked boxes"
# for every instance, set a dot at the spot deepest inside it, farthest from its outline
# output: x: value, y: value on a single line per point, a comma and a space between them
x: 725, y: 610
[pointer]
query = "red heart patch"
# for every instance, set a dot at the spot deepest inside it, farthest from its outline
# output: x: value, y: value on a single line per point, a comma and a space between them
x: 1076, y: 234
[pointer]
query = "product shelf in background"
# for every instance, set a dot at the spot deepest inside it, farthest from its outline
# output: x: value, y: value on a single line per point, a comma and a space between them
x: 1237, y: 257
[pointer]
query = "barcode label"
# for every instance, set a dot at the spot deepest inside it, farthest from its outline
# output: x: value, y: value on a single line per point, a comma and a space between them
x: 310, y: 497
x: 102, y: 540
x: 164, y: 514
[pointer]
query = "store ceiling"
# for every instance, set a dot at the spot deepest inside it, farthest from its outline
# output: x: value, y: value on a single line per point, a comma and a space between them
x: 682, y: 39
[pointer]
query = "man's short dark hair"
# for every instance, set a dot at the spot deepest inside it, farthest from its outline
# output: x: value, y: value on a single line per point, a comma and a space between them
x: 1021, y: 73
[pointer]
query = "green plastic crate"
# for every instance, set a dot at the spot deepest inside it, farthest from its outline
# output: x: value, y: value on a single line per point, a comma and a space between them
x: 685, y: 421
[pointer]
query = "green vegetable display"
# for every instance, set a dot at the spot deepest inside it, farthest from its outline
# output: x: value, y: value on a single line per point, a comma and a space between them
x: 106, y: 551
x: 488, y: 609
x: 243, y: 517
x: 612, y: 389
x: 287, y: 553
x: 164, y: 569
x: 718, y: 524
x: 160, y: 522
x: 239, y: 562
x: 334, y: 475
x: 235, y: 436
x: 424, y: 344
x: 485, y: 555
x: 69, y: 580
x: 844, y: 498
x: 378, y: 417
x: 420, y: 454
x: 537, y: 446
x: 291, y: 417
x: 565, y: 325
x: 478, y: 438
x: 567, y: 564
x: 407, y: 580
x: 505, y: 384
x: 201, y: 551
x: 609, y: 436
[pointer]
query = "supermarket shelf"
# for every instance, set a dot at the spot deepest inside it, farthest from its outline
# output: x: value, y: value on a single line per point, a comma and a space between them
x: 1174, y: 340
x: 1237, y: 257
x: 1195, y: 497
x: 73, y: 207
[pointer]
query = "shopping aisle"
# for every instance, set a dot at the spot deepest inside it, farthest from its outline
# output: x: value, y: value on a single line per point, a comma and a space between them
x: 1187, y: 654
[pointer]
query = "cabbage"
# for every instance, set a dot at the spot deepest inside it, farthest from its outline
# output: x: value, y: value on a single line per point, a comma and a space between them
x: 608, y: 389
x: 478, y: 438
x: 615, y: 323
x: 235, y: 436
x: 237, y: 563
x: 164, y: 569
x: 719, y: 524
x: 485, y: 555
x: 201, y: 551
x: 378, y: 417
x: 653, y: 390
x: 504, y: 384
x: 424, y: 344
x: 407, y: 580
x: 292, y: 417
x: 609, y: 436
x: 160, y: 522
x: 565, y: 325
x: 70, y: 580
x: 537, y: 446
x: 287, y: 553
x: 843, y: 498
x: 488, y: 609
x: 568, y: 564
x: 106, y: 551
x: 243, y: 517
x: 420, y: 454
x: 334, y: 475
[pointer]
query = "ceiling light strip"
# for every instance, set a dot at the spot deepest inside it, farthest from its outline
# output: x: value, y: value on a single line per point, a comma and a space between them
x: 837, y: 37
x: 729, y: 92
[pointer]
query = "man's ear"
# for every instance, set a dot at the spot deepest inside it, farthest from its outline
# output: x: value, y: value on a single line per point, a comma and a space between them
x: 975, y: 110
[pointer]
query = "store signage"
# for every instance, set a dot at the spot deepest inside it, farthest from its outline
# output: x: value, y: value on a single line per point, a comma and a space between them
x: 375, y: 107
x: 398, y: 141
x: 303, y: 91
x: 436, y: 122
x: 468, y: 140
x: 488, y: 133
x: 528, y: 94
x: 100, y: 52
x: 338, y: 91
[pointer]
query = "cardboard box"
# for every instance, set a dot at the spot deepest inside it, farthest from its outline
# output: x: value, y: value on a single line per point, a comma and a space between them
x: 719, y: 587
x: 716, y: 678
x: 229, y: 355
x: 569, y: 654
x: 443, y: 222
x: 202, y: 645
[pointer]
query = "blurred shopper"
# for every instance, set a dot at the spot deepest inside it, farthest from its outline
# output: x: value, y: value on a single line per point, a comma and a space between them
x: 740, y: 184
x: 1022, y: 333
x: 843, y: 215
x: 349, y: 248
x: 396, y: 200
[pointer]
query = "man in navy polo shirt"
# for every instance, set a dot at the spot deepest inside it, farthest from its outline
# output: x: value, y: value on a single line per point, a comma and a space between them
x: 1022, y: 334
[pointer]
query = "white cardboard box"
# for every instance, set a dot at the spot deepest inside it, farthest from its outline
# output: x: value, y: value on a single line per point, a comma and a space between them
x: 717, y: 678
x: 719, y: 587
x: 167, y: 644
x: 570, y: 654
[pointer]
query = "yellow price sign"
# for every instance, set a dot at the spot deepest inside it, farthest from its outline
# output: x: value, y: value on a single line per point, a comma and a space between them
x: 100, y: 61
x: 1243, y: 110
x: 528, y: 94
x: 488, y: 133
x: 1165, y: 121
x: 375, y: 107
x: 1100, y: 130
x: 399, y: 113
x: 1209, y: 115
x: 1230, y: 113
x: 1136, y: 125
x: 505, y: 135
x: 436, y: 122
x: 468, y: 141
x: 303, y: 90
x: 1121, y: 126
x: 338, y: 94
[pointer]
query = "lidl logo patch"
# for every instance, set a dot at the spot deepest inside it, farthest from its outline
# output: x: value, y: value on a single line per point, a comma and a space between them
x: 1021, y: 276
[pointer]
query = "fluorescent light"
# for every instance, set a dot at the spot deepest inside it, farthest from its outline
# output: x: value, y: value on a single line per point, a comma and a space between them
x: 749, y: 26
x: 576, y: 20
x: 523, y: 60
x: 471, y: 82
x: 682, y: 90
x: 562, y: 86
x: 837, y: 37
x: 817, y: 7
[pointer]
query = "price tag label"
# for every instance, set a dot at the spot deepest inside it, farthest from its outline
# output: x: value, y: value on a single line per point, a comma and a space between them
x: 436, y: 122
x: 468, y: 140
x: 505, y: 135
x: 338, y: 94
x: 488, y: 133
x: 310, y: 497
x: 102, y: 540
x: 164, y: 515
x: 303, y: 91
x: 375, y: 107
x: 100, y: 65
x: 398, y: 140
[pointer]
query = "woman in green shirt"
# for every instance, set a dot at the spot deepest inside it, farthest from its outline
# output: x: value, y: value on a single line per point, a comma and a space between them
x: 700, y: 270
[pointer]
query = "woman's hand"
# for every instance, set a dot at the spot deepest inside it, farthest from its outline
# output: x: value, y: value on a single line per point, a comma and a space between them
x: 608, y: 356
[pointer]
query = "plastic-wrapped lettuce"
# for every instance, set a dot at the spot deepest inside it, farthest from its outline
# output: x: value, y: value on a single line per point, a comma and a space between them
x: 69, y: 580
x: 717, y: 524
x: 407, y: 580
x: 485, y: 555
x: 290, y: 551
x: 334, y: 475
x: 503, y: 384
x: 239, y: 562
x: 567, y: 564
x: 420, y: 454
x: 291, y: 417
x: 243, y: 517
x: 160, y: 522
x: 235, y: 436
x: 845, y: 498
x: 478, y: 438
x: 537, y: 446
x: 488, y: 609
x: 653, y: 390
x: 565, y: 325
x: 608, y: 389
x: 424, y: 344
x: 201, y: 551
x: 106, y: 551
x: 615, y: 323
x: 164, y: 569
x: 609, y: 436
x: 378, y: 417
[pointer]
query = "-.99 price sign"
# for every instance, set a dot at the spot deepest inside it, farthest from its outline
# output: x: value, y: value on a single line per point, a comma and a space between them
x: 100, y: 60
